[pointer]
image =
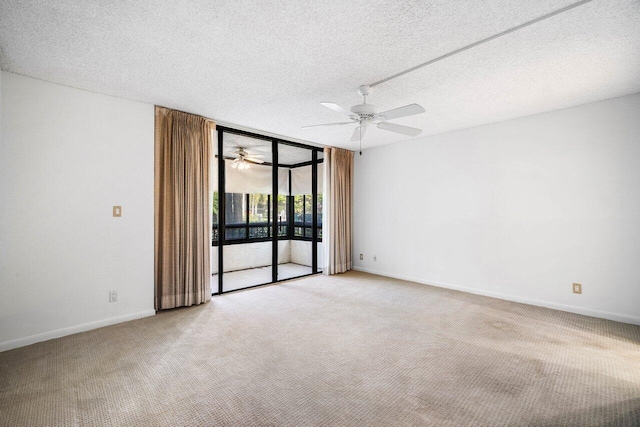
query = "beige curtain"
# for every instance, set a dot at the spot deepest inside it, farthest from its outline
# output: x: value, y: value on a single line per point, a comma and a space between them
x: 337, y: 200
x: 182, y: 221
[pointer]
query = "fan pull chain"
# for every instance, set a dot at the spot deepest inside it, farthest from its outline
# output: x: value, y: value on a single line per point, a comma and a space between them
x: 361, y: 138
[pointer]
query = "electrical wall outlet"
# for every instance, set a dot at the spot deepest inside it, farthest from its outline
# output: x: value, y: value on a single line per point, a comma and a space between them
x: 577, y: 288
x: 117, y: 211
x: 361, y: 257
x: 375, y: 258
x: 113, y: 296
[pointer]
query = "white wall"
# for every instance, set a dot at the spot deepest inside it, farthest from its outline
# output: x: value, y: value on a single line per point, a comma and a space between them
x: 249, y: 255
x: 302, y: 253
x: 66, y: 157
x: 517, y: 210
x: 252, y: 255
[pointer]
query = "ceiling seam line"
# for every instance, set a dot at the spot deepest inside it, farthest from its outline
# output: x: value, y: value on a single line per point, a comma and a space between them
x: 480, y: 42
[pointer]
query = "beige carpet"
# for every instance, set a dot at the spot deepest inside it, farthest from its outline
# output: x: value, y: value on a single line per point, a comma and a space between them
x: 353, y: 349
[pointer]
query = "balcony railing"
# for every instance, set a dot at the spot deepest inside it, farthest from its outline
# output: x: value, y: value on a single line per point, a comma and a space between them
x: 261, y: 232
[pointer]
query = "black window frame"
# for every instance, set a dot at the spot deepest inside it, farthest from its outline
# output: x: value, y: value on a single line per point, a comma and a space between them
x: 220, y: 230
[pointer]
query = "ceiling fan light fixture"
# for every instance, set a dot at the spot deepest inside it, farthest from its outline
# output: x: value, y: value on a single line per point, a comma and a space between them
x: 240, y: 164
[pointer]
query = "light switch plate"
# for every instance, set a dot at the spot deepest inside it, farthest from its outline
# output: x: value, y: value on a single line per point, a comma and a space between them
x: 117, y: 211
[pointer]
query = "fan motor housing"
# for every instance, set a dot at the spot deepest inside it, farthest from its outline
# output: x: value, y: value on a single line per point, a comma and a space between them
x: 365, y: 109
x: 365, y: 90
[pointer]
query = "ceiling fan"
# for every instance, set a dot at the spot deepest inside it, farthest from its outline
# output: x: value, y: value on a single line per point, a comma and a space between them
x: 367, y: 114
x: 242, y: 158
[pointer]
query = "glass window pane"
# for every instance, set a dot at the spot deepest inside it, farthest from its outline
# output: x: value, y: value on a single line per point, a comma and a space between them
x: 308, y: 212
x: 214, y: 219
x: 236, y: 216
x: 282, y: 215
x: 259, y: 210
x: 298, y: 214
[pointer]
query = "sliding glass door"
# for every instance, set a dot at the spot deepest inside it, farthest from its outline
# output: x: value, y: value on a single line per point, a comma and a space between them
x: 248, y: 216
x: 266, y: 221
x: 297, y: 248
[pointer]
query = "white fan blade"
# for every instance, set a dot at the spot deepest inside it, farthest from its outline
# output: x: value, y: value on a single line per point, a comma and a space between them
x: 407, y: 110
x: 233, y: 148
x: 356, y: 133
x: 250, y: 153
x: 261, y: 149
x: 328, y: 124
x: 254, y: 160
x: 405, y: 130
x: 337, y: 108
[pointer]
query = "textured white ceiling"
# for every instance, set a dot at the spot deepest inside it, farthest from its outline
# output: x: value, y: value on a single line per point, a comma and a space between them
x: 267, y: 64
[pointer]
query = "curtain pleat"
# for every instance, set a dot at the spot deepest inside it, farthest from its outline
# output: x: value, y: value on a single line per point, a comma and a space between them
x: 182, y: 207
x: 338, y: 199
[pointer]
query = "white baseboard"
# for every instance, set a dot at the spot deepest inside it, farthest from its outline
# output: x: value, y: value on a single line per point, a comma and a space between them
x: 45, y: 336
x: 540, y: 303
